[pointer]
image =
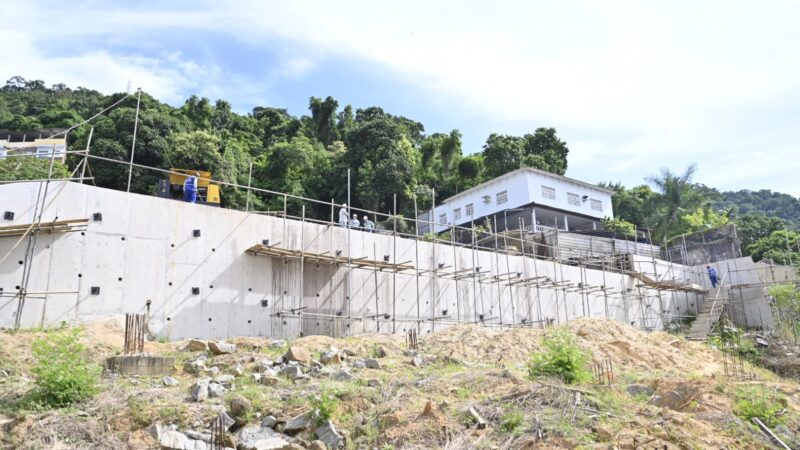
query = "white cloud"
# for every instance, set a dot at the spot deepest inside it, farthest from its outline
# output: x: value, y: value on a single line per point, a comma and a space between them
x: 634, y: 85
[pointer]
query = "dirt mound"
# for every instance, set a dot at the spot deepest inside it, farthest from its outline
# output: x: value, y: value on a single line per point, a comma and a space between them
x: 624, y: 345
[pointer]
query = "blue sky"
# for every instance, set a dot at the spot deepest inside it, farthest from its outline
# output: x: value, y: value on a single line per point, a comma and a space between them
x: 630, y: 86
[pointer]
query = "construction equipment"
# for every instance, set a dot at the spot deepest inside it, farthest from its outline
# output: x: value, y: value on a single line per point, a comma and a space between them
x: 172, y: 187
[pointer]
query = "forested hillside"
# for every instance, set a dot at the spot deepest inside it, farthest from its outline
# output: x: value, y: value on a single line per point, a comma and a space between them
x: 764, y: 202
x: 309, y: 156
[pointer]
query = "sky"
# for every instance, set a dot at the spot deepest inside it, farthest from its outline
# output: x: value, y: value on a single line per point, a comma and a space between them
x: 631, y: 87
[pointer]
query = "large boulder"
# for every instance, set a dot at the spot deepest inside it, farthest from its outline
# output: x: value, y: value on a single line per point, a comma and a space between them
x: 298, y: 354
x: 221, y: 348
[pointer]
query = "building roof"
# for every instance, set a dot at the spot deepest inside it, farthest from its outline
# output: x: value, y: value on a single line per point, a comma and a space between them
x: 30, y: 135
x: 530, y: 170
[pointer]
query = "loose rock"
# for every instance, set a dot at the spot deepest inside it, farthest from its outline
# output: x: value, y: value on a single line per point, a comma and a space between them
x: 215, y: 390
x: 169, y: 381
x: 196, y: 345
x: 200, y: 390
x: 291, y: 372
x: 261, y: 438
x: 317, y: 445
x: 298, y: 354
x: 328, y: 434
x: 298, y: 423
x: 269, y: 421
x: 330, y: 357
x: 240, y: 407
x: 343, y: 375
x: 269, y: 381
x: 371, y: 363
x: 221, y: 348
x: 196, y: 365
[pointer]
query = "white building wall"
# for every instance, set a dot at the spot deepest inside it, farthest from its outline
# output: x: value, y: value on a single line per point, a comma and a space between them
x: 522, y: 187
x: 143, y: 249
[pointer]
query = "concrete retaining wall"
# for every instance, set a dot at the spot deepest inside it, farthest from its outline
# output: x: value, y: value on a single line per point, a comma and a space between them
x: 143, y: 250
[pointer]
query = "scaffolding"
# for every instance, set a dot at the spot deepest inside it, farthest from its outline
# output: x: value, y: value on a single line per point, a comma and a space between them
x: 647, y: 285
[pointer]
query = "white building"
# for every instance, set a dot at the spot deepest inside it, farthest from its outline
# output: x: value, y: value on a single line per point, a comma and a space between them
x: 534, y: 199
x: 26, y: 144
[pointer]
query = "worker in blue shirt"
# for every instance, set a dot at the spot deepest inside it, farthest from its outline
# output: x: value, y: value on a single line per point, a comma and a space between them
x: 369, y: 226
x: 355, y: 222
x: 190, y: 188
x: 712, y: 274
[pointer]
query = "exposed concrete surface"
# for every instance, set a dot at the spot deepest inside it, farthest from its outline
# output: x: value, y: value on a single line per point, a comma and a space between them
x: 144, y: 250
x: 149, y: 365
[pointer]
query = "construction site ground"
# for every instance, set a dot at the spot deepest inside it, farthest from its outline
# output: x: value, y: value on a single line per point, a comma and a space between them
x: 665, y: 392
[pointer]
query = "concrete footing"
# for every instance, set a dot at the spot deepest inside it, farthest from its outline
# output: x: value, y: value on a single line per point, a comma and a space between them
x: 141, y: 364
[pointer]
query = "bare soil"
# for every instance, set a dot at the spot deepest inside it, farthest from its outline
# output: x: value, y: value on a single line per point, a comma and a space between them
x: 403, y: 406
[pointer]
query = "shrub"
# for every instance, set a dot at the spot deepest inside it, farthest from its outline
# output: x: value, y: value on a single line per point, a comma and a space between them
x: 511, y: 421
x: 64, y: 373
x: 758, y: 401
x: 325, y: 405
x: 562, y: 358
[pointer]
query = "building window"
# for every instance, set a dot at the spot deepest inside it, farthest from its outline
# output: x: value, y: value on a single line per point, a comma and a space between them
x: 456, y: 213
x: 574, y: 199
x: 597, y: 205
x: 502, y: 197
x: 548, y: 192
x: 470, y: 210
x: 443, y: 219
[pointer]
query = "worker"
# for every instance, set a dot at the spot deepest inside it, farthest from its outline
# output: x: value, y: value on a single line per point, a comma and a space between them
x: 190, y: 188
x: 355, y: 223
x: 343, y: 216
x: 369, y: 226
x: 712, y: 274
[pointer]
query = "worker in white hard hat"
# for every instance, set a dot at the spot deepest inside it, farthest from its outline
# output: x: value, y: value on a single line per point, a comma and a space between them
x: 369, y: 226
x: 355, y: 224
x: 344, y: 217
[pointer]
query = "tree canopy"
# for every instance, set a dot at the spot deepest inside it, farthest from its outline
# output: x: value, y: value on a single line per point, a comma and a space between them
x: 388, y: 155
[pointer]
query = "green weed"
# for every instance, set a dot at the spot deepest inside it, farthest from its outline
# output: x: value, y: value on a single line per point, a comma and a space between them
x: 562, y: 358
x: 64, y: 373
x: 760, y: 402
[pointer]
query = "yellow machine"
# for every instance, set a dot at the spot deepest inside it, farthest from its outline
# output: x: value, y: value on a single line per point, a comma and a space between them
x: 207, y: 193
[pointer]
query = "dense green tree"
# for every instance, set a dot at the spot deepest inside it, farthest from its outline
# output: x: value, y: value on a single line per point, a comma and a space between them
x: 323, y: 118
x: 502, y: 154
x: 544, y: 150
x: 781, y: 247
x: 703, y: 219
x: 752, y: 227
x: 635, y: 205
x: 766, y: 202
x: 30, y: 169
x: 677, y: 197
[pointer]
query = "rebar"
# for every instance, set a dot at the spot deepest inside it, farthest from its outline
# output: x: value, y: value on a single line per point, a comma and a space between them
x: 134, y: 333
x: 218, y: 433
